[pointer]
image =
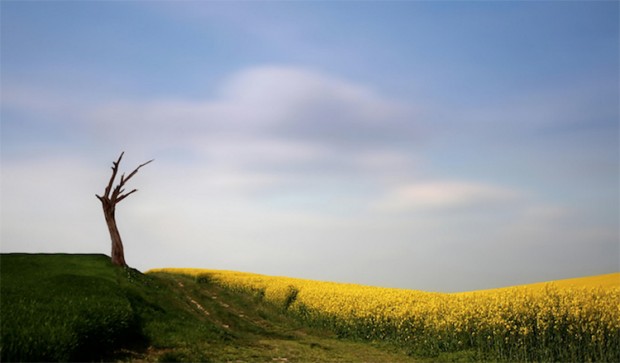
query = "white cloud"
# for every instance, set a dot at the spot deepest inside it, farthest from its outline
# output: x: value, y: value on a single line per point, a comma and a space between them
x: 291, y: 89
x: 293, y: 104
x: 444, y: 195
x: 268, y: 125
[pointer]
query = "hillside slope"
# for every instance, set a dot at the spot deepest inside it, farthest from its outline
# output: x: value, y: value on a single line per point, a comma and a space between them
x: 59, y: 307
x: 603, y: 281
x: 558, y: 322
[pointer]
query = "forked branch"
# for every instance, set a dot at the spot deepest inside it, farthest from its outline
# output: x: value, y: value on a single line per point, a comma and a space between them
x: 117, y: 195
x: 106, y: 193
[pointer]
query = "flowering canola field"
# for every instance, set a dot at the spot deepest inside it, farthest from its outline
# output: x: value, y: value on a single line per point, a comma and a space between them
x: 571, y: 320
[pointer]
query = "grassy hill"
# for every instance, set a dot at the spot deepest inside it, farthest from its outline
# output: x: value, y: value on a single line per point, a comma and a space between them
x: 59, y: 307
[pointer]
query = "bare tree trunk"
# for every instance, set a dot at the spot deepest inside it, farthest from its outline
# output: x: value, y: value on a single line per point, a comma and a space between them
x: 118, y: 253
x: 108, y: 202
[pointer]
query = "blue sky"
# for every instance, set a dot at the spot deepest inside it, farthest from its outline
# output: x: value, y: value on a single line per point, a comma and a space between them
x: 442, y: 146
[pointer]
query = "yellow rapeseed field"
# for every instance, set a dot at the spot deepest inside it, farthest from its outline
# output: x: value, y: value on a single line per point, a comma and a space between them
x: 571, y: 320
x: 604, y: 281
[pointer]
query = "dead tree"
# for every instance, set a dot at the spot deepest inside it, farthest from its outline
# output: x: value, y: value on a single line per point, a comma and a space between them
x: 109, y: 200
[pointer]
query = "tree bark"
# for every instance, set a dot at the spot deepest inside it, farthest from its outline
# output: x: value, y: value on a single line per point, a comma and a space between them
x: 118, y: 252
x: 110, y: 198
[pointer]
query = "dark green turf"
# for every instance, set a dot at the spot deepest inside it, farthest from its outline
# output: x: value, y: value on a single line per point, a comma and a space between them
x: 63, y: 307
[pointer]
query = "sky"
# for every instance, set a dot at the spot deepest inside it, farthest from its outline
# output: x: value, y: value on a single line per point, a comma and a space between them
x: 440, y: 146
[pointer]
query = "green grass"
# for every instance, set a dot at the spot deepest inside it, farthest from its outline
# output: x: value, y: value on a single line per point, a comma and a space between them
x: 59, y: 307
x: 205, y: 322
x: 62, y: 307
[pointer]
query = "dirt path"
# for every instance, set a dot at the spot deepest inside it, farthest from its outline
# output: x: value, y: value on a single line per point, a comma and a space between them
x: 253, y: 331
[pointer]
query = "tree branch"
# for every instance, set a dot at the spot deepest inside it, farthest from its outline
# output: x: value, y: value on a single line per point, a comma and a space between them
x: 106, y: 194
x: 117, y: 194
x: 124, y: 180
x: 125, y: 195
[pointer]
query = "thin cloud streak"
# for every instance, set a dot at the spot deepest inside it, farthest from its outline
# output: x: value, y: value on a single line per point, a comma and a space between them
x: 445, y: 195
